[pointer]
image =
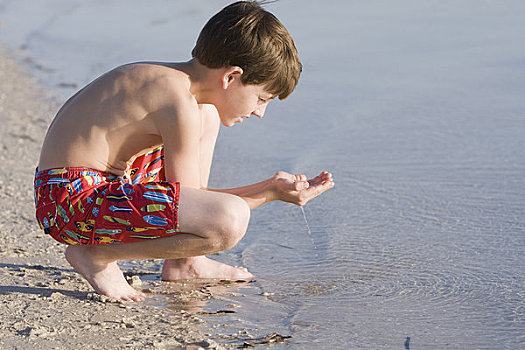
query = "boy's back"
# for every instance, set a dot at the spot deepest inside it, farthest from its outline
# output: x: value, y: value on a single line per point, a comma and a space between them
x: 116, y: 117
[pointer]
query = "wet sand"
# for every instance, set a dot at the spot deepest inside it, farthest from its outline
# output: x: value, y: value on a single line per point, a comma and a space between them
x: 45, y: 304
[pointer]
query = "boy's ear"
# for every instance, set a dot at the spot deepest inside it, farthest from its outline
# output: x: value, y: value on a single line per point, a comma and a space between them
x: 230, y: 74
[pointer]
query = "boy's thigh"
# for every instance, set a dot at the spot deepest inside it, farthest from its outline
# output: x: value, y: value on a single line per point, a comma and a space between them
x: 204, y: 212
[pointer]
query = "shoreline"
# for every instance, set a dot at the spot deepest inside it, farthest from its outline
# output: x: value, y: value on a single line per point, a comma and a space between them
x: 45, y: 303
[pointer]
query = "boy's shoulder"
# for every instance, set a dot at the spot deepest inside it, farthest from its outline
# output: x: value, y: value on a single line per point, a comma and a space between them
x: 154, y: 76
x: 164, y: 87
x: 157, y: 85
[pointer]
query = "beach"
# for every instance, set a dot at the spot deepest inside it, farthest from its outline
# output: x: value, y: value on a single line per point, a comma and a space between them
x: 417, y: 109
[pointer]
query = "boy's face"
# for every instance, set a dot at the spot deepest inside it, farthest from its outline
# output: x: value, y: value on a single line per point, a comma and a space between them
x: 242, y: 101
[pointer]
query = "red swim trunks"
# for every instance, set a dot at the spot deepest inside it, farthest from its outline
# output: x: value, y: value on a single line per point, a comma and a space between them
x: 86, y: 206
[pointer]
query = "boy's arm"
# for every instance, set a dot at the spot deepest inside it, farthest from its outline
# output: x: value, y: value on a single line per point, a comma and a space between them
x: 255, y: 195
x: 283, y: 186
x: 180, y: 129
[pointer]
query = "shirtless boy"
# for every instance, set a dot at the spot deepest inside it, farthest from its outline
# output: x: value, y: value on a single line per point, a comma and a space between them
x: 127, y: 159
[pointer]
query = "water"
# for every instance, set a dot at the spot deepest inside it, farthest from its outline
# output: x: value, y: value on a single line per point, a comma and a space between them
x: 415, y: 106
x: 308, y: 227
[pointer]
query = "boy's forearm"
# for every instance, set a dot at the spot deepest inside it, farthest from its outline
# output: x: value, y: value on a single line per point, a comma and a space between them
x: 255, y: 195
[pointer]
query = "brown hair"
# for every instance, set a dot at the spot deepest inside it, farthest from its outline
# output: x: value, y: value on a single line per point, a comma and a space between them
x: 243, y: 34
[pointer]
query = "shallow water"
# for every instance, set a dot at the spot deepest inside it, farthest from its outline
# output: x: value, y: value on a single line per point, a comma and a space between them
x: 417, y: 108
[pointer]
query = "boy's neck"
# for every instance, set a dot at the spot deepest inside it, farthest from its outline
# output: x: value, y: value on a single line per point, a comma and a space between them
x: 203, y: 80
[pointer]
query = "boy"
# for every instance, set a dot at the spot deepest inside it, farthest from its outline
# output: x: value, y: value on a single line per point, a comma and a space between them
x: 127, y: 159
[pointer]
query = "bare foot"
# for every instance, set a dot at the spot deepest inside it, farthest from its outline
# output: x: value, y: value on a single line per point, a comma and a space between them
x: 107, y: 279
x: 202, y: 267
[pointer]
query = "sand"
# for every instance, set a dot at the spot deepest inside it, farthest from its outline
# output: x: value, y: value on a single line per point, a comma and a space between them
x: 44, y: 303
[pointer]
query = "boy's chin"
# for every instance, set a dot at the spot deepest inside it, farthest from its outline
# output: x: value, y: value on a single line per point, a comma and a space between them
x: 231, y: 122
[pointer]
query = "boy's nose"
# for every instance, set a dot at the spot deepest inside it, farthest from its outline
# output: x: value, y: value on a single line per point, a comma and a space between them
x: 259, y: 112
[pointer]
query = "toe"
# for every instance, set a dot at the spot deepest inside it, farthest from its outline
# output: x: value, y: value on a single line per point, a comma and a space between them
x: 126, y: 298
x: 137, y: 298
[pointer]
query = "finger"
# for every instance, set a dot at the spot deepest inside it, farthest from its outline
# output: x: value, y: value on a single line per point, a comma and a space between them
x: 301, y: 185
x: 319, y: 179
x: 300, y: 178
x: 315, y: 181
x: 314, y: 191
x: 291, y: 186
x: 326, y: 175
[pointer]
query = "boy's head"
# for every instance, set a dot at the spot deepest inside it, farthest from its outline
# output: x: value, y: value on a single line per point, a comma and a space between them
x: 245, y: 35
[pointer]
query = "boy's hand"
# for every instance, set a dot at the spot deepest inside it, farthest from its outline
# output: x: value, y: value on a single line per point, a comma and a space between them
x: 297, y: 190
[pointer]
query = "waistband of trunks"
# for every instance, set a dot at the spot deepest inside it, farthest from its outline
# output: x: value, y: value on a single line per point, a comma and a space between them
x: 69, y: 174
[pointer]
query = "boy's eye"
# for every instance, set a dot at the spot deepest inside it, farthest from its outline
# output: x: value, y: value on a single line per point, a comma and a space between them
x: 262, y: 100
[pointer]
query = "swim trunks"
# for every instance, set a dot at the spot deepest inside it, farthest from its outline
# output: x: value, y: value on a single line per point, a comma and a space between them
x: 86, y: 206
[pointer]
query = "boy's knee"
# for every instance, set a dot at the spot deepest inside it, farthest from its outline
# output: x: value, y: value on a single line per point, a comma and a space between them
x: 234, y: 217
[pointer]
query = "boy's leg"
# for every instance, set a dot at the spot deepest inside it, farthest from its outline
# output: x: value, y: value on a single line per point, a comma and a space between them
x: 209, y: 222
x: 201, y: 266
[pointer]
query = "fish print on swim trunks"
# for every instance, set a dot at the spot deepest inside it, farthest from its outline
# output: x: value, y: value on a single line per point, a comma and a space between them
x: 86, y: 206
